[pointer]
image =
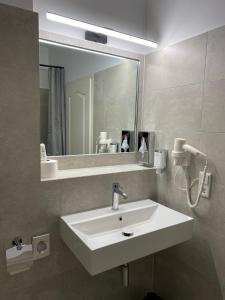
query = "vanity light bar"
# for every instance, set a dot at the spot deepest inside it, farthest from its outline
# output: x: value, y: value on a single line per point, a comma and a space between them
x: 47, y: 42
x: 97, y: 29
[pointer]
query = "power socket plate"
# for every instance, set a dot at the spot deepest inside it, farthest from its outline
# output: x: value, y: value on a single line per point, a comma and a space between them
x: 207, y: 184
x: 41, y: 246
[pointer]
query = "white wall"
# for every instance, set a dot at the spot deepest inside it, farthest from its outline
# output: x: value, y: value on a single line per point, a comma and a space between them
x: 128, y: 16
x: 80, y: 64
x: 171, y: 21
x: 26, y: 4
x: 77, y: 64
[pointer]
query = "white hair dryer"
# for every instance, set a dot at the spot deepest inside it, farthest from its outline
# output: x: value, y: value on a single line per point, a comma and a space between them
x: 182, y: 152
x: 182, y: 157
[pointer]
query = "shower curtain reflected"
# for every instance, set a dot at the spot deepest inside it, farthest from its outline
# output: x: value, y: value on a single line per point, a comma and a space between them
x: 56, y: 141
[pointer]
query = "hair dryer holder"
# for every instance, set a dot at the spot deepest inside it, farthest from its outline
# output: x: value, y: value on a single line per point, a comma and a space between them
x: 181, y: 158
x: 182, y: 153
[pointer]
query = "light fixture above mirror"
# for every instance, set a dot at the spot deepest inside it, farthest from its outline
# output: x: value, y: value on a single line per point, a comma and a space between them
x: 100, y: 30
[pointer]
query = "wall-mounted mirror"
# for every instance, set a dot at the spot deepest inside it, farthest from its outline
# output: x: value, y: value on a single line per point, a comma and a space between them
x: 88, y: 101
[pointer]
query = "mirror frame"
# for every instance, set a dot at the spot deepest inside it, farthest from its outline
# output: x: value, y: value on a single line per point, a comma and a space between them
x: 70, y: 41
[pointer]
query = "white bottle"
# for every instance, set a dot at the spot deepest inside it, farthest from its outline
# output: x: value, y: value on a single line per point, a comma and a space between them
x: 43, y: 152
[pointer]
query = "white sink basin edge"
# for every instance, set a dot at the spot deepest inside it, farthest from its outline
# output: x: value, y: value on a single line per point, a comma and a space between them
x: 95, y: 237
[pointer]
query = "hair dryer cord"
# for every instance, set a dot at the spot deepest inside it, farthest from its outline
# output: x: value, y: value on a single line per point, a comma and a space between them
x: 189, y: 186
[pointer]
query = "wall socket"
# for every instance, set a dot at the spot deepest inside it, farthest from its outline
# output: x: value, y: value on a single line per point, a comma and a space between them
x: 207, y: 184
x: 41, y: 246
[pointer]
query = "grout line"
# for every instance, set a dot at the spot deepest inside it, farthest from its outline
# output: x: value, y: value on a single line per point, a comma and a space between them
x: 204, y: 80
x: 153, y: 271
x: 186, y: 85
x: 177, y: 86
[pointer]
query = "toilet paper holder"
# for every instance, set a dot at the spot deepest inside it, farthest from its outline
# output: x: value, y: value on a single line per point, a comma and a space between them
x: 20, y: 256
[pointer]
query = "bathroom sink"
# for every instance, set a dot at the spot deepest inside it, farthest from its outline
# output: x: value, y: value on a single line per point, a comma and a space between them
x: 103, y: 239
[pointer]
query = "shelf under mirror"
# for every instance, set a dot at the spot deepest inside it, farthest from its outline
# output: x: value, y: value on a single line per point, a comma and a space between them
x: 95, y: 171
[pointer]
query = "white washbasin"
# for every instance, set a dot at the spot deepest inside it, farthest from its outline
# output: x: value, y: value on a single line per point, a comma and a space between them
x: 97, y: 238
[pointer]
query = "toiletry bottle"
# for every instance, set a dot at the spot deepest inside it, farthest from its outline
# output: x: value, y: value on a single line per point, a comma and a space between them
x: 125, y: 146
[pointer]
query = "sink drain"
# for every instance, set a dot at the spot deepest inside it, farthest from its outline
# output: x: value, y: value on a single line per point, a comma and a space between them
x: 127, y: 233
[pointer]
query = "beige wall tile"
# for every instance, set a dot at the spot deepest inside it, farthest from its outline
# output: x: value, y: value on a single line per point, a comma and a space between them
x: 175, y: 280
x: 213, y: 144
x: 19, y: 134
x: 178, y: 65
x: 215, y: 62
x: 174, y: 108
x: 214, y: 106
x: 20, y: 31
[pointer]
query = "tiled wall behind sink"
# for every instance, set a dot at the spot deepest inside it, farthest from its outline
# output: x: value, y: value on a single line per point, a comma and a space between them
x: 29, y: 207
x: 185, y: 97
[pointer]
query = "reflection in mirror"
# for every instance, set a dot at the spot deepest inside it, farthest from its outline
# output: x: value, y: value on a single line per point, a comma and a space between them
x: 88, y: 101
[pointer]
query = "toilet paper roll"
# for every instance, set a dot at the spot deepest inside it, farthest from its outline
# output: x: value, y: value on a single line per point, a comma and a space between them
x: 49, y: 168
x: 19, y: 260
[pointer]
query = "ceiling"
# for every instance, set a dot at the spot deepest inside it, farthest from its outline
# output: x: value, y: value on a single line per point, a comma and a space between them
x: 164, y: 21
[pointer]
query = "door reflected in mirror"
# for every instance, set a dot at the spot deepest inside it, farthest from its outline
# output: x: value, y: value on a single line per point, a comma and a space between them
x: 87, y: 100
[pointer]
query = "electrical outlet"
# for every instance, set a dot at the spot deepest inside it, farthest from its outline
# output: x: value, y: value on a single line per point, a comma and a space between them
x: 207, y: 184
x: 41, y: 246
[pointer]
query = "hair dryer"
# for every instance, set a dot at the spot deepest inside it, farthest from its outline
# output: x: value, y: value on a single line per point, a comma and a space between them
x: 181, y: 152
x: 182, y: 157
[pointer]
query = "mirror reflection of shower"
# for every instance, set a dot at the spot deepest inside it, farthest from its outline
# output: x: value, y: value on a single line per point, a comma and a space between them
x: 88, y: 101
x: 53, y: 131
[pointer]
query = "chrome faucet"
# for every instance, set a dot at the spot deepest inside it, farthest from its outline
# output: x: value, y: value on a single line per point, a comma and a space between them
x: 116, y: 194
x: 18, y: 243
